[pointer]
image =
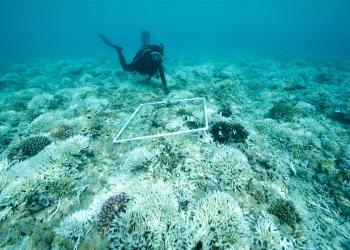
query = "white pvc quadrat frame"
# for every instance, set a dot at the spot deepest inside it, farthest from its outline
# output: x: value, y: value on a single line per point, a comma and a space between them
x: 117, y: 140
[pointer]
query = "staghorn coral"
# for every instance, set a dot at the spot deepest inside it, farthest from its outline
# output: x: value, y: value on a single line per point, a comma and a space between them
x: 145, y: 221
x: 229, y: 132
x: 28, y: 147
x: 110, y: 209
x: 43, y: 174
x: 219, y: 223
x: 285, y: 211
x: 266, y: 235
x: 226, y: 169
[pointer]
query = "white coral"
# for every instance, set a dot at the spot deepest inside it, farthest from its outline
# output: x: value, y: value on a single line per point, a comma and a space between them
x: 152, y: 208
x: 266, y: 234
x: 220, y: 222
x: 40, y: 103
x: 26, y: 176
x: 140, y: 158
x: 75, y: 226
x: 227, y: 167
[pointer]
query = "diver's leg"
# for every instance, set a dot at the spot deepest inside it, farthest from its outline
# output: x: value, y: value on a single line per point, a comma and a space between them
x: 125, y: 66
x: 109, y: 43
x: 118, y: 49
x: 145, y: 37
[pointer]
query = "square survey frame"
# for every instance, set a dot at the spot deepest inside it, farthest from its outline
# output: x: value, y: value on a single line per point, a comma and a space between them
x: 117, y: 140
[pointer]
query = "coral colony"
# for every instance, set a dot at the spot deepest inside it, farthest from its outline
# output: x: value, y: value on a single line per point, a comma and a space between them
x: 271, y: 172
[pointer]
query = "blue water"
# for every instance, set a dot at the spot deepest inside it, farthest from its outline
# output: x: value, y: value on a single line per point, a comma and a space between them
x: 40, y: 29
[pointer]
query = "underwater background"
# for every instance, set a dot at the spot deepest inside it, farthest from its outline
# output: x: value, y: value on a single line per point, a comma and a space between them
x: 272, y: 171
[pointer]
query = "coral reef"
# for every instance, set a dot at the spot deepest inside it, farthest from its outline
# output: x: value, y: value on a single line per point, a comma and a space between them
x: 282, y: 110
x: 285, y: 211
x: 146, y: 218
x: 62, y: 132
x: 109, y: 211
x: 229, y: 132
x: 28, y: 147
x: 225, y: 111
x: 271, y: 173
x: 220, y: 221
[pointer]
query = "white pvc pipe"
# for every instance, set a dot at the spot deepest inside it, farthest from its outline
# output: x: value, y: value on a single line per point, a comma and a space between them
x: 116, y: 140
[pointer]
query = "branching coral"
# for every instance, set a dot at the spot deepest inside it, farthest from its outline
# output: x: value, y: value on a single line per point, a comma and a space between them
x: 28, y: 147
x: 75, y: 227
x: 266, y: 234
x: 225, y: 111
x: 110, y: 209
x: 286, y: 212
x: 146, y: 218
x: 220, y: 222
x: 139, y: 159
x: 282, y: 110
x: 43, y: 174
x: 322, y: 101
x: 226, y: 168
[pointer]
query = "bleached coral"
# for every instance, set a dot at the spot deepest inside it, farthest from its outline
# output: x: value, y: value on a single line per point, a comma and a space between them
x: 144, y: 223
x: 40, y: 103
x: 31, y: 176
x: 220, y: 222
x: 52, y: 120
x: 140, y: 158
x: 45, y: 122
x: 4, y: 165
x: 226, y: 167
x: 267, y: 236
x: 75, y: 226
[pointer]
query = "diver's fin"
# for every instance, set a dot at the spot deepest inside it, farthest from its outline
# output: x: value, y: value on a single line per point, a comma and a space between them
x: 145, y: 37
x: 109, y: 43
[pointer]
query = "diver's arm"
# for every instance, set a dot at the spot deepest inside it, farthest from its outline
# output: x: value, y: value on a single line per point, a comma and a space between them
x: 162, y: 77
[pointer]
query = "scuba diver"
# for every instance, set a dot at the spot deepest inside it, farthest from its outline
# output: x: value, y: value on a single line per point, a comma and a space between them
x: 147, y: 61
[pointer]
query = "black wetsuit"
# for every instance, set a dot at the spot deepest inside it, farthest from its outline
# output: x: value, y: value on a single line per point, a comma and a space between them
x: 147, y: 61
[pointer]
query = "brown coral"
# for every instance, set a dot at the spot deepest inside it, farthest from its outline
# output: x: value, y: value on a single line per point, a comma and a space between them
x: 62, y: 132
x: 28, y: 147
x: 285, y: 211
x: 109, y: 210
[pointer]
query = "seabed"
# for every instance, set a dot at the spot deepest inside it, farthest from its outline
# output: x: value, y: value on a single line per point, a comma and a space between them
x: 271, y: 172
